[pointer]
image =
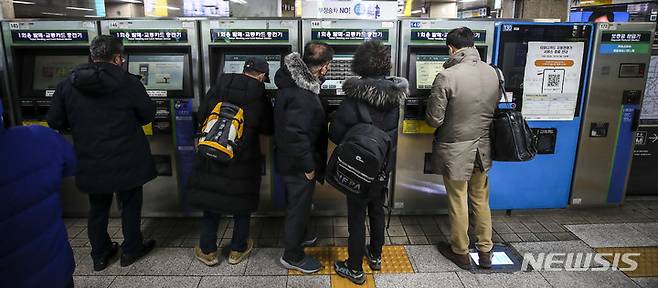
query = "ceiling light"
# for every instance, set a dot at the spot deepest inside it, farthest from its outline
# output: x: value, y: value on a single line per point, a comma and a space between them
x: 79, y: 8
x: 132, y: 1
x: 53, y: 14
x: 168, y: 7
x: 23, y: 2
x: 92, y: 16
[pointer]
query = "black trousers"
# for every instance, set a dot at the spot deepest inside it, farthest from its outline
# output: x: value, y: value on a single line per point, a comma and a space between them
x: 130, y: 205
x: 299, y: 202
x: 356, y: 217
x: 210, y: 224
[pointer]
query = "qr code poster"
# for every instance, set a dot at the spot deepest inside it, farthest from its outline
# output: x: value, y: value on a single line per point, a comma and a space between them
x: 552, y: 80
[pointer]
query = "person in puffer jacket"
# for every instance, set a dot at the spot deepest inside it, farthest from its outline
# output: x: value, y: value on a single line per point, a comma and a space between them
x: 35, y: 250
x: 382, y: 95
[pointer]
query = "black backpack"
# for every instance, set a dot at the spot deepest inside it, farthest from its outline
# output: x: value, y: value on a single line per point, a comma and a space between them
x: 512, y: 140
x: 358, y: 165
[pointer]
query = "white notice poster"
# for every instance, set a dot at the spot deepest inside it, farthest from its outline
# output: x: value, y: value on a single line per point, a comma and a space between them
x: 552, y: 80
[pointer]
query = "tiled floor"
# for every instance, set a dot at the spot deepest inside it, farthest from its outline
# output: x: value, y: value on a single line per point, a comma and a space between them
x: 560, y: 231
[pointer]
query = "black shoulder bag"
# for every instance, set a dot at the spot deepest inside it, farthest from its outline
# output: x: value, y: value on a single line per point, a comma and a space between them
x: 511, y: 137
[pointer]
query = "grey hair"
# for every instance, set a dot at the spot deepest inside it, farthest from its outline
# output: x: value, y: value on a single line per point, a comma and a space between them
x: 105, y: 47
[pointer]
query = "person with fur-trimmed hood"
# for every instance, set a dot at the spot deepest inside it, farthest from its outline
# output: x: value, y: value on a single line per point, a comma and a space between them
x: 300, y: 144
x: 382, y: 95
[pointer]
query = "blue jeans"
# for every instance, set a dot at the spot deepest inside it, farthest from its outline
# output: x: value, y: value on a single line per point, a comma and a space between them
x: 210, y: 224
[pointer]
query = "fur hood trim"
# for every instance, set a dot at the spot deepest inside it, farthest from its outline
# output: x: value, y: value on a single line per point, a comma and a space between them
x: 379, y: 92
x: 301, y: 74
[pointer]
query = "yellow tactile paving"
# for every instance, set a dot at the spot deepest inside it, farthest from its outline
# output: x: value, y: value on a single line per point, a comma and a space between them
x: 647, y: 261
x: 340, y: 282
x: 394, y: 260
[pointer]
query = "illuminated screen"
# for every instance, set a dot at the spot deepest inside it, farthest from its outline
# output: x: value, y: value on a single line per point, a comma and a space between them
x: 235, y: 64
x: 341, y: 69
x: 159, y: 72
x: 427, y: 67
x: 50, y: 70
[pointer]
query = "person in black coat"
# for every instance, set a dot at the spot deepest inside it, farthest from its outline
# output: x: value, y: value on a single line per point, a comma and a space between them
x: 300, y: 144
x: 382, y: 95
x: 232, y: 188
x: 105, y: 108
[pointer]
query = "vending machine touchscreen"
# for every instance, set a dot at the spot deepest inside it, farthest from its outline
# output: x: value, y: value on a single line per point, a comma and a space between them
x: 50, y: 70
x: 158, y: 71
x: 234, y: 63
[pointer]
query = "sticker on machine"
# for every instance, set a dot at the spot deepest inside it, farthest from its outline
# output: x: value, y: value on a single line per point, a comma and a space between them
x: 552, y: 80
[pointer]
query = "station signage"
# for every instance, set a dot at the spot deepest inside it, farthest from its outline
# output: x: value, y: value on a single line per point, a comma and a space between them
x: 337, y: 34
x: 619, y: 42
x: 69, y: 36
x: 249, y: 35
x: 151, y: 35
x: 440, y: 35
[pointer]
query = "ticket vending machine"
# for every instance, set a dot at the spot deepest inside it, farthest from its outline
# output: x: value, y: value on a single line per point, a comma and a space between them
x: 344, y: 36
x: 423, y: 51
x: 227, y: 43
x: 620, y: 65
x: 546, y: 68
x: 165, y: 54
x: 40, y: 54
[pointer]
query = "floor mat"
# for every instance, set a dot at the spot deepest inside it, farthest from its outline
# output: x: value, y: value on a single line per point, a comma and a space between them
x: 647, y: 260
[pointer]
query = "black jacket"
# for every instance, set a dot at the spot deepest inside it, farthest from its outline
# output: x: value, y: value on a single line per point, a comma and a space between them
x: 234, y: 187
x: 382, y: 97
x: 300, y: 126
x: 105, y: 107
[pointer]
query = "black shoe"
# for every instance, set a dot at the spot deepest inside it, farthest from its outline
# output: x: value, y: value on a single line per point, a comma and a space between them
x: 308, y: 265
x: 127, y: 259
x: 357, y: 277
x: 101, y: 264
x: 374, y: 263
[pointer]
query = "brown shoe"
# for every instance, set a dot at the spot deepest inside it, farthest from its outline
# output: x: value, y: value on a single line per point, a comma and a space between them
x: 235, y: 257
x: 209, y: 259
x: 484, y: 259
x: 462, y: 261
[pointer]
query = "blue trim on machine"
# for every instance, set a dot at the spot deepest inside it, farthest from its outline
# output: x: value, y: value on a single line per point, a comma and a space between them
x: 623, y: 154
x: 544, y: 182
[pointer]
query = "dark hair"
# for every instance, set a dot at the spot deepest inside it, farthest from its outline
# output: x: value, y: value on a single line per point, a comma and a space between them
x: 372, y: 58
x: 600, y: 13
x: 460, y: 38
x: 317, y: 53
x: 105, y: 47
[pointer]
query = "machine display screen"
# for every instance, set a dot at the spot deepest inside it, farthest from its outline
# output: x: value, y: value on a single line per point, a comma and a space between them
x: 159, y: 72
x: 341, y: 70
x: 235, y: 63
x: 50, y: 70
x: 427, y: 67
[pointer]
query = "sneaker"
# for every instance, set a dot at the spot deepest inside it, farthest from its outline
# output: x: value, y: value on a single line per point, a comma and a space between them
x: 374, y: 263
x: 484, y: 260
x: 235, y: 257
x: 357, y: 277
x: 101, y: 264
x: 127, y: 259
x: 209, y: 259
x: 310, y: 242
x: 308, y: 265
x: 462, y: 261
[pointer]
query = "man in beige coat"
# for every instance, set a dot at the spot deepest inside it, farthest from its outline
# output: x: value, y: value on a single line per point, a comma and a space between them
x: 461, y: 105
